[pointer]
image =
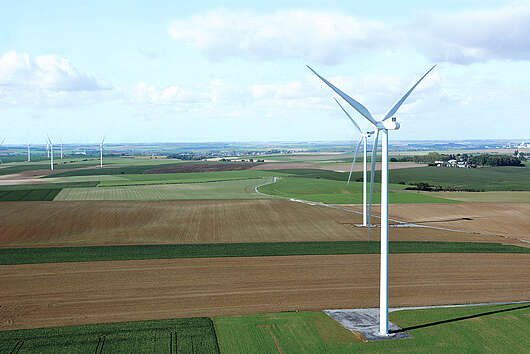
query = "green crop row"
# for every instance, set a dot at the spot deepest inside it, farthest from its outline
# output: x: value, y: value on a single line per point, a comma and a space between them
x: 185, y: 335
x: 254, y: 249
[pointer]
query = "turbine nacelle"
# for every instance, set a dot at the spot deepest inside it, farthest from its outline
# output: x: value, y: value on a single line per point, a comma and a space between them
x: 389, y: 124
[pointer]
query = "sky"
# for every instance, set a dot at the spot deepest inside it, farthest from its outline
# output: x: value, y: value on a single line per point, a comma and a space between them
x: 206, y: 71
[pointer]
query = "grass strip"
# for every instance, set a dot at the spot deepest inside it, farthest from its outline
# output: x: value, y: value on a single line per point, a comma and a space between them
x: 183, y: 335
x: 9, y: 256
x: 49, y: 186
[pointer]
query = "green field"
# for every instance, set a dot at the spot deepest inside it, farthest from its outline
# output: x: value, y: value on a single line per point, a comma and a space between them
x: 194, y: 177
x: 485, y: 178
x: 479, y: 329
x: 26, y: 195
x: 186, y: 335
x: 238, y: 189
x: 9, y: 256
x: 338, y: 192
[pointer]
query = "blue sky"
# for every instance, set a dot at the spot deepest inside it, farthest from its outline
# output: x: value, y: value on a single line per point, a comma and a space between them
x: 172, y: 71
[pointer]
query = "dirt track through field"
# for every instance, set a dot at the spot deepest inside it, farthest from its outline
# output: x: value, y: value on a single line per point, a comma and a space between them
x: 46, y: 295
x: 37, y: 224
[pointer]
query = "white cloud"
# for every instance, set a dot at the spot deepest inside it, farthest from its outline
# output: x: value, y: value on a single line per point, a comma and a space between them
x: 475, y: 36
x: 48, y: 72
x: 328, y: 37
x: 316, y: 36
x: 46, y: 81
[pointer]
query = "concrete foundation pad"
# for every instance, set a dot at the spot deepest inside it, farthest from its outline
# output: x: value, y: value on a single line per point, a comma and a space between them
x: 366, y: 322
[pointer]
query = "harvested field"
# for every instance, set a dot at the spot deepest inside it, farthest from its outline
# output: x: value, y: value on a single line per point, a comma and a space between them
x: 284, y: 165
x: 345, y: 167
x: 27, y: 224
x: 59, y: 294
x: 509, y: 219
x: 202, y: 167
x: 485, y: 197
x: 235, y: 189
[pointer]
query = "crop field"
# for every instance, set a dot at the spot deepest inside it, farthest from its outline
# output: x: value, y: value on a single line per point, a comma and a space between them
x: 196, y: 177
x: 28, y: 194
x: 485, y: 197
x: 61, y: 294
x: 338, y: 192
x: 95, y: 178
x: 117, y: 169
x: 37, y: 224
x: 510, y: 219
x: 186, y: 335
x: 479, y: 329
x: 10, y: 256
x: 237, y: 189
x: 486, y: 178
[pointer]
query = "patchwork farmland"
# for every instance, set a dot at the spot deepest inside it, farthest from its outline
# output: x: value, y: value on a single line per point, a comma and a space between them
x: 107, y: 249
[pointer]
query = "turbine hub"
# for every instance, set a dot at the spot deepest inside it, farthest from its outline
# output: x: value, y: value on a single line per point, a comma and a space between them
x: 391, y: 124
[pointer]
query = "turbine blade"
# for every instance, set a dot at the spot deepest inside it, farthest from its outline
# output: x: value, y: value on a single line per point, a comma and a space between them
x: 3, y: 140
x: 354, y: 158
x: 358, y: 107
x: 354, y: 122
x: 372, y: 173
x: 398, y: 104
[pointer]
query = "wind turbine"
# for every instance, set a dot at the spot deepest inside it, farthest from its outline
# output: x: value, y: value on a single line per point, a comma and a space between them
x: 2, y: 143
x: 29, y: 152
x: 61, y: 149
x: 101, y: 153
x: 364, y: 137
x: 387, y: 122
x: 51, y: 153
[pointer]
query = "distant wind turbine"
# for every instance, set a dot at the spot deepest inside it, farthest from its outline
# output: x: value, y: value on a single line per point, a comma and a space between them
x: 51, y: 153
x: 1, y: 144
x: 383, y: 126
x: 61, y: 149
x: 364, y: 137
x: 29, y: 152
x: 101, y: 152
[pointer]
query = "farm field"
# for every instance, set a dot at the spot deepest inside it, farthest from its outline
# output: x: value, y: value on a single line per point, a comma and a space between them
x: 237, y: 189
x: 485, y: 197
x: 470, y: 329
x: 196, y: 177
x: 485, y: 178
x: 28, y: 194
x: 186, y: 335
x: 10, y: 256
x: 38, y: 224
x: 61, y: 294
x: 508, y: 219
x: 338, y: 192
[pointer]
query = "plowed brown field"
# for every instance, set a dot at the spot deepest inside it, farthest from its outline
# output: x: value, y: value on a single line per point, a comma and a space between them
x: 509, y: 219
x: 46, y: 295
x: 27, y: 224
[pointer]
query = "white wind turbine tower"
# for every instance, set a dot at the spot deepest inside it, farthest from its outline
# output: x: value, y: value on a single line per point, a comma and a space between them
x: 61, y: 149
x: 2, y: 143
x: 29, y: 152
x: 383, y: 126
x: 101, y: 153
x: 364, y: 137
x: 51, y: 153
